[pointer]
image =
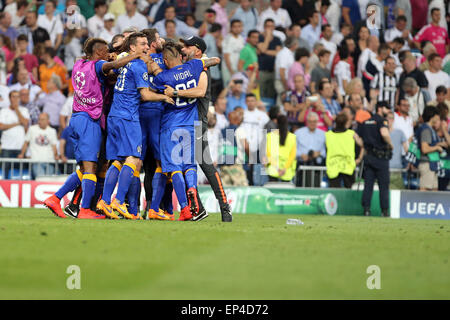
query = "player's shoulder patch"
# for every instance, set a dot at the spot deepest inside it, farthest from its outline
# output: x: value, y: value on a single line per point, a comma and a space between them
x: 145, y: 76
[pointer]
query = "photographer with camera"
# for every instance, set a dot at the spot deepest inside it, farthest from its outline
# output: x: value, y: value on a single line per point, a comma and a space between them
x: 378, y: 146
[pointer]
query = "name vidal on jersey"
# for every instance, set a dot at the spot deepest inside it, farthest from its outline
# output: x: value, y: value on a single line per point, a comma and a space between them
x: 183, y: 75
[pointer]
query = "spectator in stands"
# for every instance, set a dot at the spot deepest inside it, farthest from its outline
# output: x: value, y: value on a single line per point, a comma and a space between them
x: 132, y: 17
x: 299, y: 11
x: 234, y: 95
x: 295, y: 102
x: 299, y: 67
x: 253, y: 124
x: 108, y: 30
x: 268, y: 47
x: 18, y: 16
x: 435, y: 75
x: 5, y: 26
x: 182, y: 29
x: 367, y: 54
x: 235, y: 150
x: 349, y: 44
x: 400, y: 30
x: 24, y: 81
x: 209, y: 19
x: 73, y: 48
x: 315, y: 105
x: 327, y: 34
x: 273, y: 113
x: 52, y: 102
x: 418, y: 99
x: 311, y: 32
x: 429, y: 145
x: 327, y: 91
x: 283, y: 62
x: 350, y: 12
x: 385, y: 83
x: 373, y: 20
x: 232, y: 46
x: 220, y: 107
x: 66, y: 112
x: 296, y: 31
x: 374, y: 65
x: 247, y: 14
x: 35, y: 34
x: 410, y: 70
x: 342, y: 70
x: 4, y: 96
x: 96, y: 23
x: 213, y: 41
x: 50, y: 68
x: 427, y: 50
x: 171, y: 30
x: 41, y: 139
x: 401, y: 144
x: 7, y: 48
x: 221, y: 15
x: 281, y: 149
x: 275, y: 12
x: 340, y: 149
x: 355, y: 102
x: 66, y: 147
x: 314, y: 58
x: 435, y: 33
x: 13, y: 124
x: 344, y: 31
x: 52, y: 24
x: 311, y: 142
x: 321, y: 71
x: 333, y: 15
x: 356, y: 86
x: 30, y: 60
x: 403, y: 8
x: 248, y: 55
x: 441, y: 97
x: 403, y: 121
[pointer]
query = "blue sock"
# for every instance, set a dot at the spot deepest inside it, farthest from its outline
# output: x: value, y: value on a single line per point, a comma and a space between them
x: 167, y: 199
x: 191, y: 178
x: 180, y: 188
x: 133, y: 195
x: 112, y: 175
x: 88, y: 186
x: 125, y: 178
x: 158, y: 184
x: 72, y: 182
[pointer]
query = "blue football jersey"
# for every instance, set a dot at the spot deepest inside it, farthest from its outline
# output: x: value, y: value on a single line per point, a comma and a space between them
x: 158, y: 58
x: 127, y: 98
x: 182, y: 77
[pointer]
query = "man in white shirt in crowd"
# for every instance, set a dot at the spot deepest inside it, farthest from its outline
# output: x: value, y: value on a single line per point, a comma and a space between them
x: 41, y: 138
x: 311, y: 32
x: 327, y: 34
x: 435, y: 76
x: 283, y: 62
x: 95, y: 23
x: 367, y: 54
x: 253, y: 124
x: 247, y: 14
x: 24, y: 81
x: 417, y: 97
x: 232, y: 45
x: 311, y: 142
x: 13, y: 124
x: 109, y: 30
x: 402, y: 119
x: 275, y: 12
x: 220, y: 107
x: 52, y: 23
x: 52, y: 102
x: 4, y: 97
x: 182, y: 29
x: 399, y: 30
x: 131, y: 17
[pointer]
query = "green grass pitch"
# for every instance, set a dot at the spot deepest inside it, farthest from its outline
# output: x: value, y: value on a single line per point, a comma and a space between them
x: 255, y: 257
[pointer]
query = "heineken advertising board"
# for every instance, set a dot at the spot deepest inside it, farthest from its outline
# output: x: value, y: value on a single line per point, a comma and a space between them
x: 254, y: 200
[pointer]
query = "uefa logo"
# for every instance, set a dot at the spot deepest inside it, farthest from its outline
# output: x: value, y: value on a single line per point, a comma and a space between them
x: 373, y: 16
x: 73, y: 14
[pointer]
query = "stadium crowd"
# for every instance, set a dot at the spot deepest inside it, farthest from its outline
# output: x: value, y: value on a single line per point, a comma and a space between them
x: 312, y: 69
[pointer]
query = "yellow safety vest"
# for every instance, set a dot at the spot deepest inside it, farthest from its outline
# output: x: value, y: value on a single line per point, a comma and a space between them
x: 340, y: 153
x: 281, y: 157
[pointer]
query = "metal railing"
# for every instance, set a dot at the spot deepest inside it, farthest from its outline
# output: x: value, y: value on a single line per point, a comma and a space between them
x: 28, y: 169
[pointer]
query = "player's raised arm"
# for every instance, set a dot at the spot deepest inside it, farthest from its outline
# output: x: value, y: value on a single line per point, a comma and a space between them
x: 197, y: 92
x: 148, y: 95
x: 210, y: 62
x: 108, y: 66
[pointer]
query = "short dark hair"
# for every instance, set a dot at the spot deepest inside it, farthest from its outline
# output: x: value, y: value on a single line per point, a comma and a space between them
x: 325, y: 26
x: 322, y: 85
x: 383, y: 47
x: 301, y: 52
x: 132, y: 38
x: 434, y: 9
x: 99, y: 3
x: 441, y: 89
x: 249, y: 34
x: 343, y: 52
x: 442, y: 110
x: 433, y: 56
x: 401, y: 18
x: 91, y: 44
x: 381, y: 104
x: 11, y: 92
x: 22, y: 37
x: 428, y: 113
x: 50, y: 51
x: 341, y: 121
x: 323, y: 52
x: 151, y: 34
x: 399, y: 40
x: 234, y: 21
x: 215, y: 27
x: 269, y: 20
x: 209, y: 10
x: 250, y: 95
x: 169, y: 21
x: 274, y: 112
